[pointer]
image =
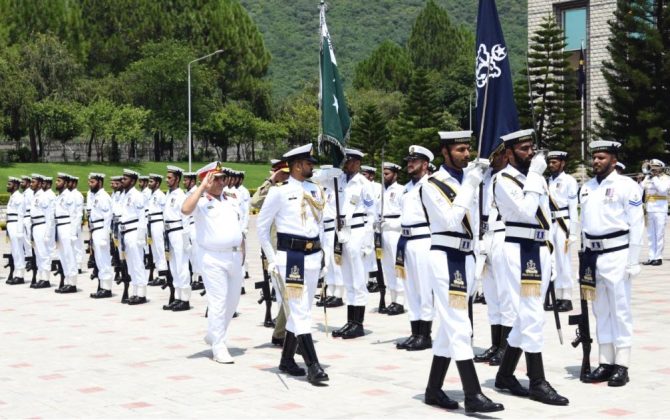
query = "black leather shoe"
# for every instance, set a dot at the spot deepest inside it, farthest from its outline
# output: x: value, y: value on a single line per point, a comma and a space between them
x: 334, y: 303
x: 564, y: 305
x: 656, y: 262
x: 279, y: 342
x: 68, y: 288
x: 356, y: 330
x: 137, y: 301
x: 496, y: 359
x: 540, y: 390
x: 42, y: 284
x: 619, y: 377
x: 648, y: 262
x: 439, y: 398
x: 158, y: 281
x: 291, y: 367
x: 422, y: 340
x: 101, y: 294
x: 350, y: 316
x: 600, y: 374
x: 169, y: 306
x: 383, y: 310
x: 397, y: 310
x: 126, y: 300
x: 16, y: 280
x: 316, y: 374
x: 486, y: 355
x: 511, y: 384
x: 181, y: 306
x: 480, y: 403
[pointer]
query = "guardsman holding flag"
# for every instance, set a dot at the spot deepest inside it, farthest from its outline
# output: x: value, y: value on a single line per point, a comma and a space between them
x: 296, y: 210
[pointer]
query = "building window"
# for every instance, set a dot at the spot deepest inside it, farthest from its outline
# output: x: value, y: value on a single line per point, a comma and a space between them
x: 574, y: 27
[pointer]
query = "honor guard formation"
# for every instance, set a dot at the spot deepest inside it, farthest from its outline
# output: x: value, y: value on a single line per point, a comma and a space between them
x: 331, y: 236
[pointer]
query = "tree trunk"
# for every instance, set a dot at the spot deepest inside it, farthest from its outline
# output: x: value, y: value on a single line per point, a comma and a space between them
x: 238, y: 151
x: 101, y: 151
x: 90, y: 146
x: 33, y: 144
x: 253, y: 150
x: 157, y: 146
x: 133, y: 153
x: 171, y: 148
x: 224, y: 150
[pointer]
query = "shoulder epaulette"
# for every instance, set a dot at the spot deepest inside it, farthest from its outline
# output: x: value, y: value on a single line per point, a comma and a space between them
x: 279, y: 184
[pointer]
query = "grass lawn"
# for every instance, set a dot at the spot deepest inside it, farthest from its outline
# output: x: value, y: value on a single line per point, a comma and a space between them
x: 255, y: 173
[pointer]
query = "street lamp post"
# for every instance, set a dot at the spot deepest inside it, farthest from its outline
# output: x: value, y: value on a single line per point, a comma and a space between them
x: 190, y: 140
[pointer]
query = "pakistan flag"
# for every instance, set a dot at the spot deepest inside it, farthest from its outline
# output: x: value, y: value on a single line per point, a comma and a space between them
x: 335, y: 121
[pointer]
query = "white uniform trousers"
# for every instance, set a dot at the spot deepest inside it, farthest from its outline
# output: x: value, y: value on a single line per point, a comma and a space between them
x: 528, y: 310
x: 79, y: 251
x: 179, y: 260
x: 354, y: 269
x: 158, y: 245
x: 222, y: 275
x: 195, y: 256
x: 15, y: 233
x: 103, y: 258
x: 656, y: 232
x: 65, y: 250
x: 42, y: 249
x: 299, y: 319
x: 27, y: 246
x: 393, y: 283
x: 453, y: 337
x: 334, y: 275
x: 418, y: 285
x: 612, y: 305
x: 502, y: 311
x: 563, y: 263
x: 135, y: 259
x: 490, y: 288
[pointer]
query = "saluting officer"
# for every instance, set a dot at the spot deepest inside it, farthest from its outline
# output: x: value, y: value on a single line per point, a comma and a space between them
x: 15, y: 229
x: 612, y: 222
x: 448, y: 197
x: 64, y: 210
x: 154, y: 207
x: 179, y: 241
x: 133, y: 227
x: 221, y: 254
x: 412, y: 254
x: 563, y: 204
x: 390, y: 228
x: 296, y: 209
x: 100, y: 223
x: 521, y: 195
x: 656, y: 188
x: 357, y: 205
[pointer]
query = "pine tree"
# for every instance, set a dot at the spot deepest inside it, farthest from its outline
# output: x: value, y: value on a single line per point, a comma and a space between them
x: 369, y: 133
x: 636, y: 111
x: 557, y: 112
x: 388, y: 68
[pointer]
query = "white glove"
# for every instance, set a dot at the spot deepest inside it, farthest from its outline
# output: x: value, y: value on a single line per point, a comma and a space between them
x: 273, y: 269
x: 538, y: 164
x: 474, y: 176
x: 186, y: 241
x: 485, y: 244
x: 574, y: 233
x: 368, y: 242
x: 141, y: 237
x: 324, y: 271
x: 471, y: 182
x: 344, y: 234
x: 633, y: 265
x: 104, y: 242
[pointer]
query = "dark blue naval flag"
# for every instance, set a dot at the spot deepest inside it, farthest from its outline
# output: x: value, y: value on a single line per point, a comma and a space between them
x: 496, y: 106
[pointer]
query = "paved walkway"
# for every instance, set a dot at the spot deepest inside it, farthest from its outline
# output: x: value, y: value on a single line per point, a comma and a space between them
x: 71, y: 356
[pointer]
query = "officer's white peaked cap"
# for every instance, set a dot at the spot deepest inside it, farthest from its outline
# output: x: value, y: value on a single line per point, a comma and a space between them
x: 419, y: 152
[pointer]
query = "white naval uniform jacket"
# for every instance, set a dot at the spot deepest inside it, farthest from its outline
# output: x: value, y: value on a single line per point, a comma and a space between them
x: 656, y: 193
x: 172, y: 215
x: 412, y: 209
x: 217, y: 224
x: 131, y: 206
x: 16, y: 208
x: 356, y: 197
x: 612, y: 205
x: 291, y: 214
x: 563, y: 190
x: 515, y: 204
x: 155, y: 204
x: 78, y: 214
x: 64, y: 212
x: 392, y: 206
x: 100, y: 207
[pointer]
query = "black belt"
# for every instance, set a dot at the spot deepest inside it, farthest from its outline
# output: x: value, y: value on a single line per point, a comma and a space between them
x: 12, y: 221
x: 96, y: 221
x: 524, y: 241
x: 154, y: 221
x: 392, y: 216
x: 329, y: 229
x: 298, y: 243
x: 37, y: 217
x: 128, y: 231
x: 129, y: 222
x: 63, y: 217
x: 62, y: 224
x: 606, y: 236
x: 155, y: 214
x: 12, y: 214
x: 174, y: 229
x: 37, y: 224
x: 94, y: 229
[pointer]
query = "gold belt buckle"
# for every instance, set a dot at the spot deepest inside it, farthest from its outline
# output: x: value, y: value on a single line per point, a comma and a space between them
x: 309, y: 245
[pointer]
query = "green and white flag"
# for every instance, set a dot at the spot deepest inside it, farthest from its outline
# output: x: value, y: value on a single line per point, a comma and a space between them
x: 335, y: 121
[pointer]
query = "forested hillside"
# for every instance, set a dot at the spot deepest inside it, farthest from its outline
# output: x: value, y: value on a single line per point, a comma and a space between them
x: 290, y: 31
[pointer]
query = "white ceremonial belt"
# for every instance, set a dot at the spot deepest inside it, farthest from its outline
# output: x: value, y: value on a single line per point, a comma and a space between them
x: 461, y: 244
x: 534, y: 234
x: 414, y: 231
x: 169, y: 224
x: 391, y: 216
x: 96, y: 224
x: 560, y: 213
x: 605, y: 244
x: 328, y: 224
x: 155, y: 218
x: 356, y: 220
x: 230, y: 249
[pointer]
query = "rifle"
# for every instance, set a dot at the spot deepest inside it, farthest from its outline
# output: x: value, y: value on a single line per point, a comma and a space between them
x: 121, y: 270
x: 339, y: 223
x: 379, y: 245
x: 57, y: 269
x: 583, y: 332
x: 10, y: 264
x: 149, y: 257
x: 557, y: 320
x: 168, y: 282
x: 266, y: 295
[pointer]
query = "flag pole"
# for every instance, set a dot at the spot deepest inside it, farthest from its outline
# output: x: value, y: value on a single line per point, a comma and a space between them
x: 583, y: 109
x: 486, y: 98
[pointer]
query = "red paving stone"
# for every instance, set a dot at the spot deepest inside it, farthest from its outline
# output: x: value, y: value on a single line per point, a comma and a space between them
x: 375, y: 392
x: 20, y: 365
x: 288, y: 406
x: 52, y: 377
x: 263, y: 367
x: 91, y: 390
x: 138, y: 404
x: 180, y: 377
x: 617, y: 412
x: 653, y: 348
x: 229, y: 391
x: 387, y: 367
